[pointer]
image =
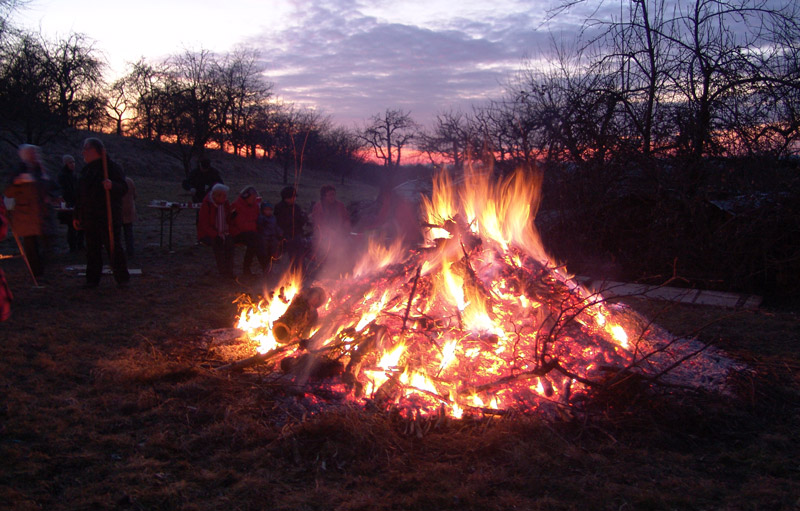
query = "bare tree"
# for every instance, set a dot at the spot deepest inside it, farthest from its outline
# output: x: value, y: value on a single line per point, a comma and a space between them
x: 27, y: 113
x: 339, y: 151
x: 145, y: 84
x: 388, y: 133
x: 451, y: 139
x: 7, y: 7
x: 195, y: 106
x: 688, y: 72
x: 76, y: 73
x: 633, y: 48
x: 118, y: 102
x: 90, y: 112
x: 492, y: 138
x: 292, y: 131
x: 45, y: 87
x: 245, y: 95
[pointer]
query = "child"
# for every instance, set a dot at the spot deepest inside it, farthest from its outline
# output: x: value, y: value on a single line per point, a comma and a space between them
x: 243, y: 228
x: 269, y: 234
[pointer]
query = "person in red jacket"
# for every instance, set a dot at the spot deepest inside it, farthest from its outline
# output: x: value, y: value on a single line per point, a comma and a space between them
x: 244, y: 228
x: 213, y: 228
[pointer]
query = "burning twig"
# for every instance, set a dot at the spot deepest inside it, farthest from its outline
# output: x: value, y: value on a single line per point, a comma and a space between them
x: 411, y: 298
x: 539, y: 371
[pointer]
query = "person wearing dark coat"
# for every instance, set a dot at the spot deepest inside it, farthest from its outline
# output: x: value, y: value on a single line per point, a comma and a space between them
x: 201, y: 180
x: 292, y: 220
x: 91, y: 213
x: 269, y: 235
x: 68, y: 182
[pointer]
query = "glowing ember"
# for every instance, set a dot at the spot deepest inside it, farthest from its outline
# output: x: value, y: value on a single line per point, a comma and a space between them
x: 479, y: 320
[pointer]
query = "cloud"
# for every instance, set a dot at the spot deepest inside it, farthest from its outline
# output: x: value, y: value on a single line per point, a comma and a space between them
x: 352, y: 65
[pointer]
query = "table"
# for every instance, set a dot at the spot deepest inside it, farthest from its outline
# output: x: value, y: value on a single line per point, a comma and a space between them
x: 167, y: 212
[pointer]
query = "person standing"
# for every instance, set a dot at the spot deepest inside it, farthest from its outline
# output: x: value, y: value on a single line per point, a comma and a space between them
x: 201, y: 180
x: 213, y: 221
x: 129, y: 215
x: 244, y: 217
x: 31, y: 221
x: 269, y: 235
x: 292, y: 220
x: 68, y: 182
x: 97, y: 196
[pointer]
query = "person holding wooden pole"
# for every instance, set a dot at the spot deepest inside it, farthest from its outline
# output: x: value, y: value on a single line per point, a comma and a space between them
x: 32, y: 220
x: 98, y: 212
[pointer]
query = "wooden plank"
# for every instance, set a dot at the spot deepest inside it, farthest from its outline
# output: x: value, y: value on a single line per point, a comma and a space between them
x: 610, y: 288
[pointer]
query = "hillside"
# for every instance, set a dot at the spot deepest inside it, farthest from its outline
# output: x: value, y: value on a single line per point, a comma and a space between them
x: 149, y: 166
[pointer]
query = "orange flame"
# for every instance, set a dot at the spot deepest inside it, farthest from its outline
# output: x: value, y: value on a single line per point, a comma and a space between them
x: 484, y: 323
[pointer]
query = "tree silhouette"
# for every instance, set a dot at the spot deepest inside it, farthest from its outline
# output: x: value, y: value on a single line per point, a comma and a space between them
x: 388, y: 133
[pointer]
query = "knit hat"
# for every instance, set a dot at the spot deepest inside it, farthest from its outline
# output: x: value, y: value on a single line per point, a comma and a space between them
x: 265, y: 205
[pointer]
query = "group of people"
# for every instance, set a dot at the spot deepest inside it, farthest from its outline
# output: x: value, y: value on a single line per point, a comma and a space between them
x: 97, y: 205
x: 266, y: 232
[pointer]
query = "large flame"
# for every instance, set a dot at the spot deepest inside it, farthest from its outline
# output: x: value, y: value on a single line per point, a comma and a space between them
x: 480, y: 318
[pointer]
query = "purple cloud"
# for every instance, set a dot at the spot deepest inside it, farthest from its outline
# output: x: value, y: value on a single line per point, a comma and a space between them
x: 352, y: 65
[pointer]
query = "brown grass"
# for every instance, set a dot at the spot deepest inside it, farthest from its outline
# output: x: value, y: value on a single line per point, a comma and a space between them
x: 109, y: 402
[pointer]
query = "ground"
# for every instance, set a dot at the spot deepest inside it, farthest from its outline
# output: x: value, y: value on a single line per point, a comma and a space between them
x: 110, y: 401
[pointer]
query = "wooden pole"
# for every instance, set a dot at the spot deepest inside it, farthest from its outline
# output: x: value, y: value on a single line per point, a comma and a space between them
x: 25, y: 257
x: 108, y: 209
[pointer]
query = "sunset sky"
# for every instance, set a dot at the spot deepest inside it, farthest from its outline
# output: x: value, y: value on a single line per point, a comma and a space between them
x: 347, y: 58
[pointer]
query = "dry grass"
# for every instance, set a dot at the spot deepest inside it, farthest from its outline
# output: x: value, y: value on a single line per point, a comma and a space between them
x: 108, y: 402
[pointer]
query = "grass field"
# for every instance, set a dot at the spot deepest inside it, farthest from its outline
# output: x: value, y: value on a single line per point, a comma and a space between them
x: 109, y: 401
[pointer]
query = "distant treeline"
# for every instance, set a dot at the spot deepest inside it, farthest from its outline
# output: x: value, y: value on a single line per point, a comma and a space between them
x: 644, y: 127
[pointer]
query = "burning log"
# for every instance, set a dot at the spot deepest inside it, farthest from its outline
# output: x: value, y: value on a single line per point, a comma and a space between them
x: 300, y: 316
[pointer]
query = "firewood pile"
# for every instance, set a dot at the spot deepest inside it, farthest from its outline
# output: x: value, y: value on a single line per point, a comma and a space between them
x: 479, y: 321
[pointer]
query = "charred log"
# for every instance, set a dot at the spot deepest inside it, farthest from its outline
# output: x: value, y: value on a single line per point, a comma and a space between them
x: 300, y: 316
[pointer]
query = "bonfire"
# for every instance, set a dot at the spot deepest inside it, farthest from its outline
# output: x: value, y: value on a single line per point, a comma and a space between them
x: 477, y: 320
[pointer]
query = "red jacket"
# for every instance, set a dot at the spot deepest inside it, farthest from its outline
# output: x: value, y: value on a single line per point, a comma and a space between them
x: 207, y: 218
x: 245, y: 216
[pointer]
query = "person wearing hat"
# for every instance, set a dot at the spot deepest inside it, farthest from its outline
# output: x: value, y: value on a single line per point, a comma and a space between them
x: 269, y: 235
